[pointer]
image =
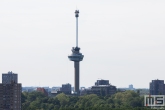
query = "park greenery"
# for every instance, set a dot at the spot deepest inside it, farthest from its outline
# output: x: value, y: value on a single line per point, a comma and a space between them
x: 128, y: 100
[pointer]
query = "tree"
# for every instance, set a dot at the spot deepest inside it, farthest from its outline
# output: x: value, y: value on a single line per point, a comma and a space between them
x: 64, y: 99
x: 128, y: 100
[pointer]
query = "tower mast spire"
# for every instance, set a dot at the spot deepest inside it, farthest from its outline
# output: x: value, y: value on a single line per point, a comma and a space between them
x: 77, y: 15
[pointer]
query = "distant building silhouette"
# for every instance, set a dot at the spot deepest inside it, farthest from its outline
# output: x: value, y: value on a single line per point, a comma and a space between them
x: 66, y: 88
x: 101, y: 88
x: 157, y: 87
x: 10, y: 92
x: 39, y: 89
x: 130, y: 87
x: 102, y: 82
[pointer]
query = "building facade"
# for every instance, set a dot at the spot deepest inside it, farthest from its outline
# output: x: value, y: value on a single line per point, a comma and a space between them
x: 157, y: 87
x: 10, y: 92
x: 9, y: 78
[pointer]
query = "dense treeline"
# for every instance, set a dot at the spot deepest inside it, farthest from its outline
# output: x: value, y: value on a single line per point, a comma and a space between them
x: 128, y: 100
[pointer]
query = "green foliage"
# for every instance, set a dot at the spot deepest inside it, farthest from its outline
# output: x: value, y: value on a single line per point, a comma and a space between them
x: 64, y: 99
x: 128, y: 100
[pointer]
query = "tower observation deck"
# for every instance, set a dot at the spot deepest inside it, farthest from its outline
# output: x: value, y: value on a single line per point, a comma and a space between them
x: 76, y: 56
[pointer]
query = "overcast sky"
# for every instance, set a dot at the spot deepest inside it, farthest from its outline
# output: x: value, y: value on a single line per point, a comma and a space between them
x: 122, y: 41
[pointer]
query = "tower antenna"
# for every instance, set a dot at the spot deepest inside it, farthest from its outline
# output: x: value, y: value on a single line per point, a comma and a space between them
x: 77, y: 15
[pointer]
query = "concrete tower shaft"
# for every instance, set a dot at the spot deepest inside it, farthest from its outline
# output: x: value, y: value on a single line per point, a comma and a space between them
x: 76, y: 56
x: 76, y: 77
